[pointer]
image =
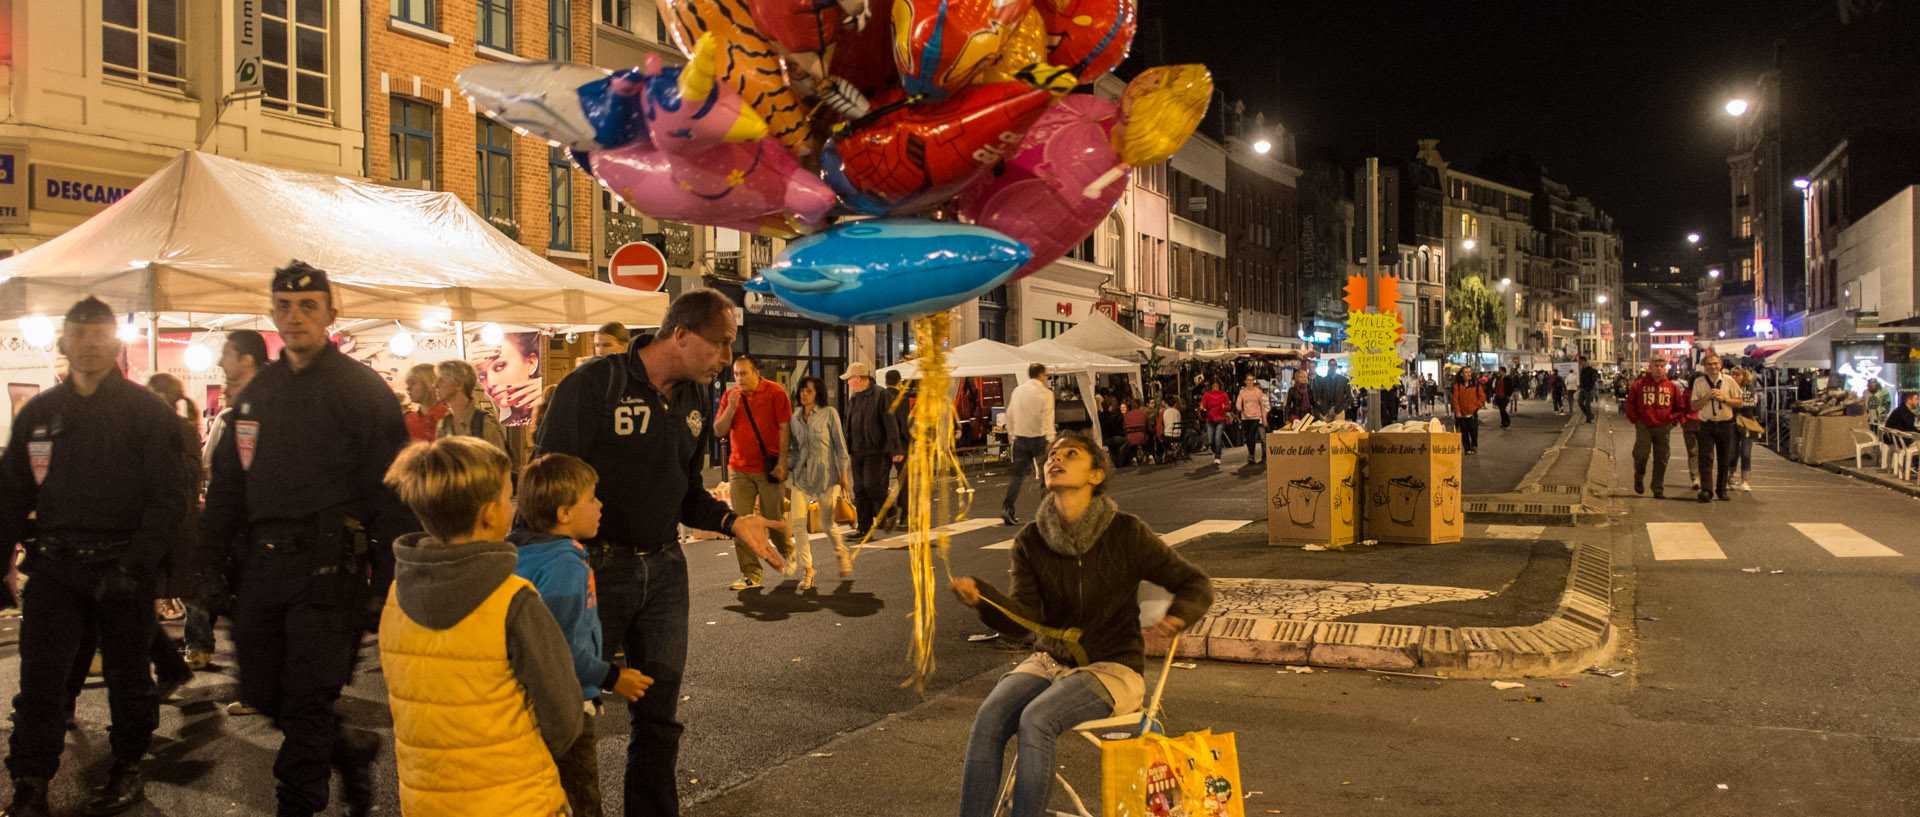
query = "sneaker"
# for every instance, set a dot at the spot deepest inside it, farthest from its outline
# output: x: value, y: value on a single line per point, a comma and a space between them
x: 242, y: 708
x: 744, y: 583
x: 198, y: 659
x: 1216, y: 460
x: 1744, y: 486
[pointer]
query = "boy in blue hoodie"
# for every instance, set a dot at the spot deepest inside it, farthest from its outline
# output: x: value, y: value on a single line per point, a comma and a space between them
x: 557, y: 504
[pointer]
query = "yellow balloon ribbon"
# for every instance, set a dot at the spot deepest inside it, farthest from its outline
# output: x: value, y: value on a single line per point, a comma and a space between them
x: 1069, y: 636
x: 930, y: 460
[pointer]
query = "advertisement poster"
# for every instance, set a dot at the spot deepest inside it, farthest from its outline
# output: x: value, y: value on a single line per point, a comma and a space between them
x: 510, y: 372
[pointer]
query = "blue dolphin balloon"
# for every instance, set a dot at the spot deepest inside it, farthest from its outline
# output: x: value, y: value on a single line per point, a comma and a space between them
x: 889, y: 270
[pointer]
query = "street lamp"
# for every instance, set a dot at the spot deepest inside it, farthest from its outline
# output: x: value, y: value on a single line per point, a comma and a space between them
x: 1506, y: 281
x: 1713, y: 273
x: 1736, y: 107
x: 1802, y: 184
x: 1645, y: 312
x: 1600, y: 298
x: 1468, y: 244
x: 1693, y: 238
x: 1262, y: 146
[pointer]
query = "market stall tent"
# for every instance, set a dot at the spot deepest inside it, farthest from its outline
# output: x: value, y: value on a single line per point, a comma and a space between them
x: 204, y: 233
x: 1096, y: 362
x: 1097, y: 333
x: 990, y: 358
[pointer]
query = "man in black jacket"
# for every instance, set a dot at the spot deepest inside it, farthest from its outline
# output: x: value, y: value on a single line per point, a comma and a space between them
x: 874, y: 441
x: 642, y: 419
x: 96, y: 462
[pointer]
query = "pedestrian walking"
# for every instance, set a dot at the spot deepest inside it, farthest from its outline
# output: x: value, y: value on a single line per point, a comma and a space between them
x: 1133, y: 421
x: 174, y: 578
x: 612, y: 338
x: 1715, y: 397
x: 1252, y: 403
x: 1214, y: 405
x: 642, y: 420
x: 1298, y: 401
x: 820, y: 474
x: 1468, y: 397
x: 1654, y: 405
x: 1029, y: 428
x: 90, y: 484
x: 1076, y: 570
x: 297, y: 518
x: 1879, y: 403
x: 1589, y: 387
x: 875, y: 441
x: 428, y: 410
x: 1746, y: 422
x: 1690, y: 435
x: 1558, y: 388
x: 754, y: 415
x: 557, y: 504
x: 902, y: 417
x: 479, y: 675
x: 455, y: 387
x: 1503, y: 395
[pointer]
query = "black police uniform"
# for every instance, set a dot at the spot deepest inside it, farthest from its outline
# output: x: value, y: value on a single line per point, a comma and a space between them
x: 648, y: 449
x: 101, y: 475
x: 297, y: 504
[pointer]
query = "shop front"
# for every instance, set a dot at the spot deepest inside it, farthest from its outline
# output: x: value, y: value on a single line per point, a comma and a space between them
x: 1055, y: 299
x: 1197, y: 327
x: 786, y: 345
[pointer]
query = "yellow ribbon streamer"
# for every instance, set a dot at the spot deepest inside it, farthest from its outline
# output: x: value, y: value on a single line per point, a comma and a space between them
x: 1069, y: 636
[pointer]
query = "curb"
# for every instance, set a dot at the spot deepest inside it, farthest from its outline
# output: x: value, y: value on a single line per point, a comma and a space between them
x: 1585, y: 505
x: 1863, y: 475
x: 1580, y: 626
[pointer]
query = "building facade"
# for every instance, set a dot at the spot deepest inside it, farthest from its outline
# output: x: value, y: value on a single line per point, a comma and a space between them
x: 100, y: 94
x: 1197, y: 184
x: 1263, y: 239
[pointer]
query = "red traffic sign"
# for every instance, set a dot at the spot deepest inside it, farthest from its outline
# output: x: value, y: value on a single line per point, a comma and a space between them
x: 640, y: 266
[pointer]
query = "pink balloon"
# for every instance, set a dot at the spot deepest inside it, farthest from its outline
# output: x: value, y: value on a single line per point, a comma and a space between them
x: 1064, y: 178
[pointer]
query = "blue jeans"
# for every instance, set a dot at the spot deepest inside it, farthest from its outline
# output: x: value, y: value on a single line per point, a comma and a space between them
x: 1217, y: 436
x: 1026, y: 453
x: 1743, y: 451
x: 1038, y: 710
x: 643, y: 610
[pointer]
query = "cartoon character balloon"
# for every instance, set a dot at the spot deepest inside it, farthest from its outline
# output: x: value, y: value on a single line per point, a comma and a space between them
x: 750, y: 65
x: 1159, y: 110
x: 938, y: 45
x: 889, y: 270
x: 566, y: 103
x: 1062, y: 181
x: 1092, y: 36
x: 709, y: 159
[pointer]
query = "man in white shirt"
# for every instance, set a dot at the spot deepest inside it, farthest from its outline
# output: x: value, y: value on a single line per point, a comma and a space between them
x: 1715, y: 396
x: 1029, y: 427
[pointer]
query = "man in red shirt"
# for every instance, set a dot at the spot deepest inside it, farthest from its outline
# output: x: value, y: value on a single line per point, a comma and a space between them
x: 757, y: 436
x: 1655, y: 405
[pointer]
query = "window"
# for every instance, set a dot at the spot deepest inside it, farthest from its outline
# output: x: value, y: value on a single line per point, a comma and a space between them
x: 559, y: 30
x: 410, y: 141
x: 560, y: 199
x: 1746, y: 270
x: 495, y: 24
x: 493, y: 171
x: 417, y: 12
x: 293, y: 48
x: 617, y: 13
x: 1047, y: 329
x: 140, y: 40
x: 1746, y: 226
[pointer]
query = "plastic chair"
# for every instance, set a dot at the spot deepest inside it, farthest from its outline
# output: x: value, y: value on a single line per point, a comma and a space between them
x: 1136, y: 724
x: 1865, y: 440
x: 1906, y: 452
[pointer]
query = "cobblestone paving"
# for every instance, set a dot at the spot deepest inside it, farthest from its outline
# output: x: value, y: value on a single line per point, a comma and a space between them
x: 1303, y: 599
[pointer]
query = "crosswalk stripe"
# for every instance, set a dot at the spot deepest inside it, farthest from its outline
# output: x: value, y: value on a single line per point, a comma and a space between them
x: 954, y: 529
x: 1515, y: 531
x: 1842, y: 541
x: 1174, y: 539
x: 1682, y: 540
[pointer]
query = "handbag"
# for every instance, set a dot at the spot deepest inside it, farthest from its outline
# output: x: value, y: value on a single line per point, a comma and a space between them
x: 1749, y: 425
x: 843, y: 511
x: 1196, y: 774
x: 771, y: 460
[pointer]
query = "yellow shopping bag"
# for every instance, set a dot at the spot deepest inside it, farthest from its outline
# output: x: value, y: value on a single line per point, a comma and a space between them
x: 1193, y: 775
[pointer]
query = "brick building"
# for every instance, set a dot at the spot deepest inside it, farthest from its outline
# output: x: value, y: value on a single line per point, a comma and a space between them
x: 422, y: 134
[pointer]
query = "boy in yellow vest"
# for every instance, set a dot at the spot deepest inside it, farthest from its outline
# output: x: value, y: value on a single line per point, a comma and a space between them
x: 479, y: 677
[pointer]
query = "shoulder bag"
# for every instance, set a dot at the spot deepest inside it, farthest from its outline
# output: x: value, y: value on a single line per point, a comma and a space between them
x: 771, y: 460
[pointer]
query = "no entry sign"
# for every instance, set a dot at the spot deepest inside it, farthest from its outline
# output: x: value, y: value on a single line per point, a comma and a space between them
x: 640, y: 266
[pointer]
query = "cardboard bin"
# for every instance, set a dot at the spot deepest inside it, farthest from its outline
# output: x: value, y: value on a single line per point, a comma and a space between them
x: 1413, y: 489
x: 1311, y: 481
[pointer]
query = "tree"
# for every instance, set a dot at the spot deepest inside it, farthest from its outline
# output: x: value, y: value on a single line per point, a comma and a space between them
x: 1473, y: 311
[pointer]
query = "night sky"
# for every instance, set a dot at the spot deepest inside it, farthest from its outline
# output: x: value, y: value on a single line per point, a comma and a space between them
x: 1620, y: 100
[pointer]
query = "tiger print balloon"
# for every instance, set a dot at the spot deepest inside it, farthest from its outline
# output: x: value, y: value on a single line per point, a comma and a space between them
x: 750, y: 64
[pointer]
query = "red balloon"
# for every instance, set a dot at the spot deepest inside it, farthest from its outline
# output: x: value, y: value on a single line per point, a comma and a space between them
x: 1093, y: 35
x: 921, y: 147
x: 797, y: 25
x: 940, y: 44
x: 864, y: 57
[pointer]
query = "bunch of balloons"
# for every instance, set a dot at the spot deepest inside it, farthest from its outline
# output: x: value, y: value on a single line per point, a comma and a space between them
x: 944, y: 137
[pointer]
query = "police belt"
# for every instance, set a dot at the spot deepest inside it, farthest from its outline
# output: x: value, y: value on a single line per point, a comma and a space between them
x: 628, y: 546
x: 80, y: 548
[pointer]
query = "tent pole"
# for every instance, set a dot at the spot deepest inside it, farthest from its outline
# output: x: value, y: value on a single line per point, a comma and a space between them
x: 460, y: 337
x: 153, y: 342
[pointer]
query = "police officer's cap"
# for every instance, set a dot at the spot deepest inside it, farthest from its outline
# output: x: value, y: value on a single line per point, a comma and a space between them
x: 300, y: 276
x: 90, y: 310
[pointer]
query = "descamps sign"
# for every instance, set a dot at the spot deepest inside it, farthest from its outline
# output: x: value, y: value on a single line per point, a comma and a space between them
x: 83, y: 192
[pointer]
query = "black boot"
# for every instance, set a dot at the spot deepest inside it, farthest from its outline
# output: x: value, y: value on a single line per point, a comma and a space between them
x: 125, y: 788
x: 353, y: 754
x: 29, y: 798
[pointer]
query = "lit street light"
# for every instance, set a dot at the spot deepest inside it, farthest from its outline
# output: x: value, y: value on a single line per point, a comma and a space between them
x: 1600, y: 299
x: 1736, y: 107
x: 1713, y: 273
x: 1262, y: 146
x: 1802, y: 184
x: 1468, y: 244
x: 1645, y: 312
x: 1506, y: 281
x: 1693, y: 238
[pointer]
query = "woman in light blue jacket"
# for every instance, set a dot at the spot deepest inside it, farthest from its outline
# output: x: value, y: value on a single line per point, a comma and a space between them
x: 817, y: 472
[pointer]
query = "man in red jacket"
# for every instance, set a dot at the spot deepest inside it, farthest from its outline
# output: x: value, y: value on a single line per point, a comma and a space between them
x: 1655, y: 405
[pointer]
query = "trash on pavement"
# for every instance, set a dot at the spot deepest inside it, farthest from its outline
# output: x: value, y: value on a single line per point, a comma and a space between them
x: 1749, y: 570
x: 1299, y: 670
x: 1505, y: 685
x: 1776, y: 571
x: 1314, y: 547
x: 1649, y: 618
x: 1610, y: 672
x: 1535, y: 699
x: 1186, y: 665
x: 821, y: 754
x: 1563, y: 685
x: 1721, y: 786
x: 983, y: 636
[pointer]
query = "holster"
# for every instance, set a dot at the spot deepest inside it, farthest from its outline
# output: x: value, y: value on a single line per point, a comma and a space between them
x: 339, y: 557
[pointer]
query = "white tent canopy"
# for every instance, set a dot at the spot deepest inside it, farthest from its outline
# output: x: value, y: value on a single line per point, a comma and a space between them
x: 1096, y: 362
x: 204, y: 233
x: 991, y: 358
x: 1099, y: 334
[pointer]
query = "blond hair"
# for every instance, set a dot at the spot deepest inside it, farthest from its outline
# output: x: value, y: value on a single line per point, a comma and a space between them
x: 549, y: 483
x: 461, y: 372
x: 446, y: 482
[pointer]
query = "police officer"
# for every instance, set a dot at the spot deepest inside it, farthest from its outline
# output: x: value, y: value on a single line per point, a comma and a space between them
x: 641, y: 418
x: 96, y: 461
x: 296, y: 504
